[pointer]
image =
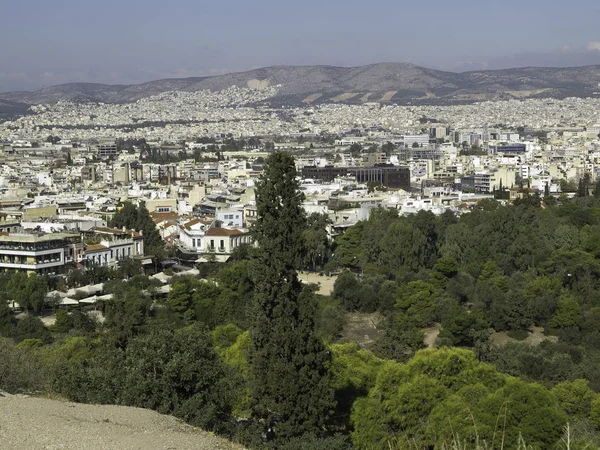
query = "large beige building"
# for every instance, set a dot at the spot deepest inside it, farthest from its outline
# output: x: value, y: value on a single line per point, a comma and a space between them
x: 37, y: 253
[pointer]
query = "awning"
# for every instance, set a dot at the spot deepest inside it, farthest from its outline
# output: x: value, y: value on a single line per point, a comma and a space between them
x: 89, y: 301
x: 215, y: 258
x: 163, y: 289
x: 191, y: 272
x: 162, y: 277
x: 68, y: 302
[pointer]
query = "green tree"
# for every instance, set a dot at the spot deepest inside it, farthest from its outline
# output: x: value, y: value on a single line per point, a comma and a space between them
x: 356, y: 150
x: 398, y: 406
x: 316, y: 241
x: 181, y: 295
x: 388, y: 148
x: 28, y: 291
x: 349, y: 251
x: 583, y: 188
x: 62, y: 324
x: 138, y: 218
x: 575, y: 397
x: 287, y: 363
x: 353, y: 374
x: 568, y: 313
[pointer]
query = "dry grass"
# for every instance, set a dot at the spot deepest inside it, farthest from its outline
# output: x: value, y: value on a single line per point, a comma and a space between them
x: 536, y: 337
x: 362, y: 328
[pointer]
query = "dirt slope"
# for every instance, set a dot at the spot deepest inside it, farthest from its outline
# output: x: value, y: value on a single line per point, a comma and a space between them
x: 30, y: 423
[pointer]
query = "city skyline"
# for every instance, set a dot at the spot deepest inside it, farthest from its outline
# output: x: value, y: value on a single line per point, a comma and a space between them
x: 137, y: 42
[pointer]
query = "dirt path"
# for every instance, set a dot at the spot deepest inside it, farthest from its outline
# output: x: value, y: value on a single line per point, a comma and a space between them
x: 431, y: 335
x: 325, y: 283
x: 31, y: 423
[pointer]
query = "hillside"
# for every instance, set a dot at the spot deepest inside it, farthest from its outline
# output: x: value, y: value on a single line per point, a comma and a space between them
x: 384, y: 82
x: 38, y: 423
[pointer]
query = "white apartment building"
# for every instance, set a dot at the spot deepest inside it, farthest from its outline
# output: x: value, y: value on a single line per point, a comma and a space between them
x: 221, y: 242
x: 230, y: 218
x: 114, y: 245
x: 191, y: 235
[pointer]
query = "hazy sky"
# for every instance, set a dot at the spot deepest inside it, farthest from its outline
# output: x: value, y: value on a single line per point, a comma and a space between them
x: 128, y: 41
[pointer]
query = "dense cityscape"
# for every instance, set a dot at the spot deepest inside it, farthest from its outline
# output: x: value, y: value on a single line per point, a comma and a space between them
x: 300, y: 226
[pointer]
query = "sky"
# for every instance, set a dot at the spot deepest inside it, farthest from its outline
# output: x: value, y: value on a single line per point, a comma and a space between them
x: 43, y: 43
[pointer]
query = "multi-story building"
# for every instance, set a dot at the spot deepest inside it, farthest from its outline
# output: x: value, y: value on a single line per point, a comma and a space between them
x: 88, y: 173
x: 230, y: 218
x: 38, y: 253
x: 191, y: 235
x: 393, y: 177
x: 409, y: 153
x: 9, y: 222
x: 107, y: 246
x: 220, y: 243
x: 419, y: 139
x: 106, y: 150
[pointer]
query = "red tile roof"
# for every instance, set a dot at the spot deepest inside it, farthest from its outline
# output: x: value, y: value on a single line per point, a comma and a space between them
x: 95, y: 248
x: 223, y: 232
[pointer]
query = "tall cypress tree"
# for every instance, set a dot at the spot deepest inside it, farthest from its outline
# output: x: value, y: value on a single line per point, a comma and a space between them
x: 287, y: 362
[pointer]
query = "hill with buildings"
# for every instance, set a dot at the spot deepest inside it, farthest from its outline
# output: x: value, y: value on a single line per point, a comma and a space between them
x: 400, y: 83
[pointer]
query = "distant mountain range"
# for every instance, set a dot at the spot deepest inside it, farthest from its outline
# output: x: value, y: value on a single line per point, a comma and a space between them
x: 400, y: 83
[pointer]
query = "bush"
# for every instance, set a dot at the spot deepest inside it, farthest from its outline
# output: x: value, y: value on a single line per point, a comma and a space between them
x: 21, y: 370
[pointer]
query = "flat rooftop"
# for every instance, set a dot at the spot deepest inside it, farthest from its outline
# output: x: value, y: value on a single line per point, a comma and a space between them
x: 32, y: 238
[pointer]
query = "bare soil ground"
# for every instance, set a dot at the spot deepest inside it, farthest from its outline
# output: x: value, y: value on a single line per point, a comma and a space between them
x: 535, y: 337
x: 431, y: 335
x: 325, y: 283
x: 361, y: 328
x: 31, y: 423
